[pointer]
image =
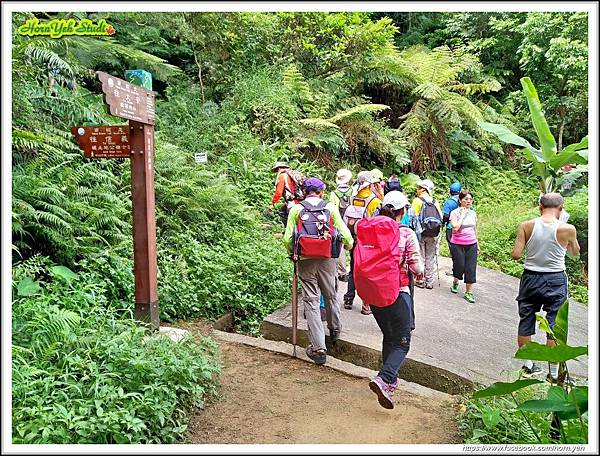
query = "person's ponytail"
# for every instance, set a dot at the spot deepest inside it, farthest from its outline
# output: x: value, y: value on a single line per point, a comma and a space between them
x: 389, y: 211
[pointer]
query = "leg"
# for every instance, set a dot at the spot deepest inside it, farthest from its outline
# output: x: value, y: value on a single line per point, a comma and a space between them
x: 399, y: 320
x: 283, y: 214
x: 448, y: 238
x: 422, y: 248
x: 383, y: 320
x: 470, y: 266
x: 327, y: 280
x: 429, y: 261
x: 458, y: 262
x: 556, y: 292
x: 307, y: 273
x: 342, y: 271
x: 351, y: 291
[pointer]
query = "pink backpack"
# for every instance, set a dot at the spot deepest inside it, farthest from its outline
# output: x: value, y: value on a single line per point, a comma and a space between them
x: 377, y: 256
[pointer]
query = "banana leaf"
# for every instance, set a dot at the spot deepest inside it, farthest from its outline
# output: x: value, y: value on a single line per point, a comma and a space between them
x: 547, y: 142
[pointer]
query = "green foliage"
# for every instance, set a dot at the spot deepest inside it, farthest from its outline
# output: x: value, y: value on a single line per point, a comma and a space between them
x: 82, y: 373
x: 566, y: 401
x: 546, y: 162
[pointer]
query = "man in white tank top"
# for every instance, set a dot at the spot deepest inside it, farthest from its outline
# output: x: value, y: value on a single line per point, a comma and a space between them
x: 544, y: 281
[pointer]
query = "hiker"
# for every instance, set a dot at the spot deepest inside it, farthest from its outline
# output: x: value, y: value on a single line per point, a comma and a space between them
x: 385, y: 252
x: 284, y: 187
x: 464, y: 245
x: 449, y: 205
x: 313, y: 235
x: 429, y: 213
x: 362, y: 205
x: 379, y: 180
x: 544, y: 282
x: 341, y: 198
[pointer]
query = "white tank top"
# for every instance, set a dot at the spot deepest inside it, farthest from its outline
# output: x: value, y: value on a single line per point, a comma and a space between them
x: 544, y: 252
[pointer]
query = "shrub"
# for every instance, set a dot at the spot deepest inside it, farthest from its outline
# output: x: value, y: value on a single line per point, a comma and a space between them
x: 83, y: 373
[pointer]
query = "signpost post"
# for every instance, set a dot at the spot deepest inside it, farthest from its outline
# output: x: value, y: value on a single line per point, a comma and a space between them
x: 135, y: 141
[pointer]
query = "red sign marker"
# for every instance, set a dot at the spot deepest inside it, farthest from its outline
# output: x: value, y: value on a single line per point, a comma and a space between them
x: 103, y: 142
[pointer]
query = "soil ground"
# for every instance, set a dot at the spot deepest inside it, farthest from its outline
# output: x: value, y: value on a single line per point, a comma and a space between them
x: 272, y: 398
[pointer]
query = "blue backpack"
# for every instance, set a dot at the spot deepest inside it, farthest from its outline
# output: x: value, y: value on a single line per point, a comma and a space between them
x: 431, y: 220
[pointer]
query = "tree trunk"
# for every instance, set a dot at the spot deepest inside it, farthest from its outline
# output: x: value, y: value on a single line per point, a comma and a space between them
x: 199, y: 75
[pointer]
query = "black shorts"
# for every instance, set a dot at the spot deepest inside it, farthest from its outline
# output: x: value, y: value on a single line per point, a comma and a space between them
x: 540, y: 291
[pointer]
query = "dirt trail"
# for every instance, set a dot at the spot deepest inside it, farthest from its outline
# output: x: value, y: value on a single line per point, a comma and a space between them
x: 272, y: 398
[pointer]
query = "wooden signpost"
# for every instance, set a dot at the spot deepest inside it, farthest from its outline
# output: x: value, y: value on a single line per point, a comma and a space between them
x: 135, y: 141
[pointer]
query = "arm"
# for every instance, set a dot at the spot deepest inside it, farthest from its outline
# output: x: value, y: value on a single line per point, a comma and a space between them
x: 457, y: 219
x: 519, y: 243
x: 573, y: 245
x: 279, y: 189
x: 289, y: 228
x: 446, y: 212
x: 340, y: 225
x: 333, y: 198
x: 413, y: 254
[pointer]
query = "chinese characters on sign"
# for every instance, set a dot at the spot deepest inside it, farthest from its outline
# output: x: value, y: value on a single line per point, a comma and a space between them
x: 103, y: 142
x: 127, y: 100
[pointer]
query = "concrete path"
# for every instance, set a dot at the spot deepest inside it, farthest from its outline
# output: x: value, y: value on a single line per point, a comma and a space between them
x: 455, y: 344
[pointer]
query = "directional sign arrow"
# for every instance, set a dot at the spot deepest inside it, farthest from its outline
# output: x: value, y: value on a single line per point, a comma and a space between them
x: 103, y: 141
x: 127, y: 100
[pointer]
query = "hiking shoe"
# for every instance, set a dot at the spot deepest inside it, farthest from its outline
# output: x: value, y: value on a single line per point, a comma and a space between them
x: 318, y: 356
x: 334, y: 335
x: 527, y: 372
x: 454, y: 288
x: 348, y: 303
x: 419, y: 284
x: 469, y: 297
x: 343, y: 278
x: 384, y: 391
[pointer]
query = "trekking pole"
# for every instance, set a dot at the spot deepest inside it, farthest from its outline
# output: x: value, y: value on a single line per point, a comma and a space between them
x: 295, y: 308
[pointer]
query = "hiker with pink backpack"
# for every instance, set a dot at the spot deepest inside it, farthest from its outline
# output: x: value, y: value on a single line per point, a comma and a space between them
x: 384, y: 253
x: 314, y: 236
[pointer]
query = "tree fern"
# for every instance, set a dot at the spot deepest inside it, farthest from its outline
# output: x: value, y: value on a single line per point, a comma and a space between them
x: 358, y: 112
x: 442, y: 105
x: 293, y: 79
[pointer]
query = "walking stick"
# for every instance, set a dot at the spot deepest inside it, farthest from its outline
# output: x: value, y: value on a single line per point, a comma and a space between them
x: 295, y: 308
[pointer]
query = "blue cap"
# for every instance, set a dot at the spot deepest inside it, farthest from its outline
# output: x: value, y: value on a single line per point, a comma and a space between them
x: 455, y: 188
x: 312, y: 184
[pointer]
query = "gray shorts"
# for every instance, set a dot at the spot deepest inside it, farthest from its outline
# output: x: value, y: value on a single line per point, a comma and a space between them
x: 540, y: 291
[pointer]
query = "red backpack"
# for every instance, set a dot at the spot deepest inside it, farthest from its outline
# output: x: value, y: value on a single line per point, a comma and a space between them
x: 309, y: 238
x: 378, y: 270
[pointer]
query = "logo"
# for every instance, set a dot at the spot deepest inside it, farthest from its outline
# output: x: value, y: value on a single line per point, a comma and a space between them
x: 61, y: 27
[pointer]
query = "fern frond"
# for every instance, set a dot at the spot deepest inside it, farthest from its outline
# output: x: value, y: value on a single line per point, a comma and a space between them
x: 318, y: 124
x: 358, y: 112
x: 428, y: 90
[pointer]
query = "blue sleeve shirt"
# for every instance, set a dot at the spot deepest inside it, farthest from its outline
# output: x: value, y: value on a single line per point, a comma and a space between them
x: 449, y: 205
